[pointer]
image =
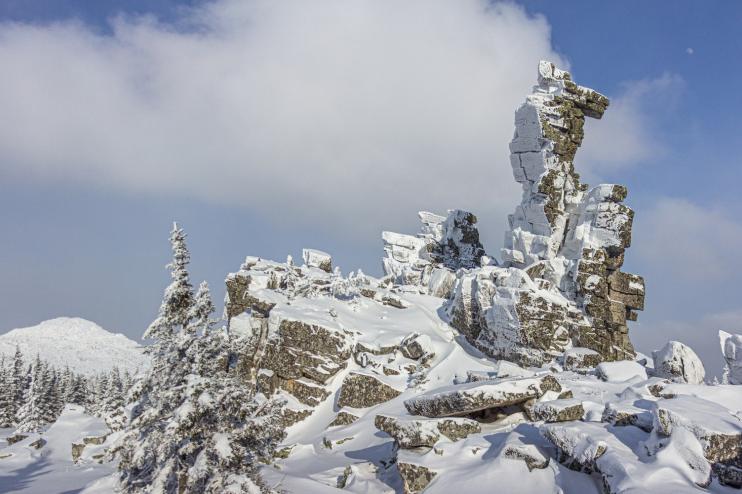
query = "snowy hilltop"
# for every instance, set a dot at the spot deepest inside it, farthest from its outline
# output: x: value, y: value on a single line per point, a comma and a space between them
x: 456, y: 371
x: 72, y: 342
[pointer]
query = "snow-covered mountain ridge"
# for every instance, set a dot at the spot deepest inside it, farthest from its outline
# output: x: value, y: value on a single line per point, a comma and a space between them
x: 78, y: 343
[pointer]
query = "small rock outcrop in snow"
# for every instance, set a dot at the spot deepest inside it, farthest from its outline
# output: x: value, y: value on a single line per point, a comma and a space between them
x: 678, y: 362
x: 80, y: 344
x: 731, y: 349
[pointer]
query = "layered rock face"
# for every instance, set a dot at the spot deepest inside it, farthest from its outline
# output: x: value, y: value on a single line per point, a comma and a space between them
x: 560, y: 283
x: 563, y: 234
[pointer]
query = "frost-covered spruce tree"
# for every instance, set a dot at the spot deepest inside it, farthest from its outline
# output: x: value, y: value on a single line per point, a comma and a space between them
x: 178, y: 298
x: 18, y: 381
x: 112, y: 404
x: 7, y: 405
x: 196, y: 427
x: 33, y: 414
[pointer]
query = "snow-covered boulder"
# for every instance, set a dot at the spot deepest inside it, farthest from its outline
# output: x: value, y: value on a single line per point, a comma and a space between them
x: 718, y: 430
x: 557, y: 410
x: 317, y: 259
x: 731, y: 349
x: 415, y: 346
x: 621, y: 371
x: 679, y: 363
x: 414, y: 432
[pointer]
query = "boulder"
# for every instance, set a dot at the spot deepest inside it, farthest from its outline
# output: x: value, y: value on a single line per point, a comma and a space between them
x: 38, y: 444
x: 317, y: 259
x: 679, y: 363
x: 576, y: 449
x: 15, y: 438
x: 416, y: 432
x: 717, y: 429
x: 464, y: 399
x: 360, y: 390
x: 622, y: 371
x: 623, y: 414
x: 77, y: 449
x: 557, y: 410
x: 415, y: 478
x: 415, y: 346
x: 527, y: 453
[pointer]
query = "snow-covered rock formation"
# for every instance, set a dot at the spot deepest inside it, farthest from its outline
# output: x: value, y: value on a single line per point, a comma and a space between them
x: 454, y: 370
x: 560, y: 282
x: 731, y: 349
x: 80, y: 344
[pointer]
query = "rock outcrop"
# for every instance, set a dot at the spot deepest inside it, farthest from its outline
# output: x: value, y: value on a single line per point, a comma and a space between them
x: 679, y: 363
x: 731, y: 349
x: 430, y: 259
x: 560, y: 283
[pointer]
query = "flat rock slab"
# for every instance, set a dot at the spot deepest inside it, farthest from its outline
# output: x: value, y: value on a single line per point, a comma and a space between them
x: 719, y: 432
x: 467, y: 398
x: 558, y: 410
x: 413, y: 432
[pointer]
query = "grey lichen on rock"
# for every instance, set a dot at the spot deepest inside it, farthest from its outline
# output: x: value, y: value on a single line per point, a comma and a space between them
x: 414, y: 432
x: 473, y: 397
x: 343, y: 418
x: 415, y: 478
x: 361, y: 390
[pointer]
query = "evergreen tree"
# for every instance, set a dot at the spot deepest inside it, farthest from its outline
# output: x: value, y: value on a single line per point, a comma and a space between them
x: 79, y: 393
x: 33, y: 412
x: 199, y: 315
x: 196, y: 427
x: 112, y: 404
x: 7, y: 403
x: 178, y: 298
x: 18, y: 380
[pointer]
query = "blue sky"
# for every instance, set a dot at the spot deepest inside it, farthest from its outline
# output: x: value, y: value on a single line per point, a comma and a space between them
x: 265, y: 127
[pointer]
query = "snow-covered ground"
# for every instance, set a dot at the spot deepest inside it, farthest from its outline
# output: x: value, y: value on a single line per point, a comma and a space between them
x: 630, y: 456
x: 50, y: 469
x: 80, y: 344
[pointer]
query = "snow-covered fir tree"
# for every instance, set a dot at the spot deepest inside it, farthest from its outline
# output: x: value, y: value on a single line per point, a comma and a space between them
x: 196, y: 427
x: 7, y: 405
x: 35, y: 412
x: 178, y: 298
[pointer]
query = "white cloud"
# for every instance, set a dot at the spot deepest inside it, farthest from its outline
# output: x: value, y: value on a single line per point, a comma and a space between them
x: 348, y: 114
x: 351, y: 114
x: 685, y: 242
x: 626, y: 135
